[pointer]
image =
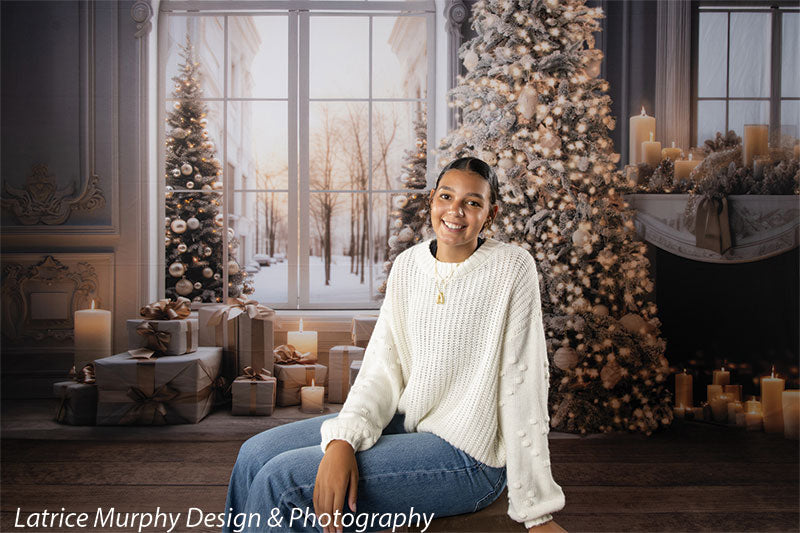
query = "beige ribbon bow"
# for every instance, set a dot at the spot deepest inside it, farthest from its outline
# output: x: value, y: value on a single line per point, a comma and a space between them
x: 86, y: 375
x: 252, y: 375
x: 238, y: 306
x: 157, y: 341
x: 167, y: 309
x: 146, y: 405
x: 286, y: 354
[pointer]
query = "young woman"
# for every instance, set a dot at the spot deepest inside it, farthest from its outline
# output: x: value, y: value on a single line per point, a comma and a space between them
x: 451, y: 400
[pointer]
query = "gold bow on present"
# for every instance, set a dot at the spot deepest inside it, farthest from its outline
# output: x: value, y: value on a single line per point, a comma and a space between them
x: 238, y: 306
x: 157, y: 341
x: 147, y: 406
x: 287, y: 354
x: 252, y: 375
x: 167, y: 309
x: 86, y: 375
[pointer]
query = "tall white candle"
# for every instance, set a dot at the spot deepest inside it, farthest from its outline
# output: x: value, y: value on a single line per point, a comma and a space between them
x: 92, y: 335
x: 641, y: 127
x: 722, y: 377
x: 791, y: 414
x: 771, y: 402
x: 303, y: 341
x: 651, y: 152
x: 683, y: 389
x: 755, y: 142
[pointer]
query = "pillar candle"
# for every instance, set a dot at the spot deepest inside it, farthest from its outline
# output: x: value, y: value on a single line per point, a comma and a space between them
x: 671, y: 153
x: 791, y: 414
x: 713, y: 390
x: 679, y: 412
x: 719, y: 407
x: 771, y: 402
x: 303, y: 341
x: 697, y: 412
x: 734, y: 408
x: 741, y: 420
x: 651, y: 152
x: 684, y: 167
x: 312, y: 399
x: 92, y: 335
x: 753, y: 417
x: 734, y: 391
x: 721, y: 377
x: 683, y: 390
x: 754, y: 142
x: 759, y: 164
x: 641, y: 127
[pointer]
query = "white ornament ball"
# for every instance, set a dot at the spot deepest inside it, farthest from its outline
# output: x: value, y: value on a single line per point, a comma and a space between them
x: 217, y: 185
x: 186, y: 169
x: 176, y: 172
x: 167, y: 221
x: 233, y: 267
x: 179, y: 133
x: 527, y: 102
x: 470, y: 60
x: 231, y: 233
x: 219, y: 220
x: 207, y: 251
x: 489, y: 157
x: 217, y: 276
x: 178, y: 225
x: 565, y: 358
x: 206, y: 187
x: 400, y: 201
x: 198, y: 285
x: 398, y: 223
x: 600, y: 310
x: 176, y: 269
x: 193, y: 223
x: 506, y: 163
x: 190, y: 185
x: 393, y: 241
x: 207, y: 272
x: 197, y: 299
x: 406, y: 234
x: 580, y: 238
x: 182, y: 248
x: 184, y: 287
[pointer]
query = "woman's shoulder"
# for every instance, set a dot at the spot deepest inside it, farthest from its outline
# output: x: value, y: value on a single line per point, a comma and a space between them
x: 517, y: 255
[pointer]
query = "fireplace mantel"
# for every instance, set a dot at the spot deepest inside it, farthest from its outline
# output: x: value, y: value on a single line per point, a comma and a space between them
x: 762, y: 226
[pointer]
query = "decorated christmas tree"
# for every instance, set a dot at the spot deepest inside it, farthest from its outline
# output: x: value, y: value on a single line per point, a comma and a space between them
x: 534, y: 107
x: 194, y: 221
x: 410, y: 214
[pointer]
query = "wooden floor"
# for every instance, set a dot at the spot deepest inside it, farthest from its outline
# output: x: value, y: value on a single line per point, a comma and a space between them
x: 692, y: 477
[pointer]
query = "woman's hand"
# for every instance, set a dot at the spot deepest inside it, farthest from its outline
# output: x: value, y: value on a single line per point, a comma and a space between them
x: 547, y: 527
x: 337, y: 468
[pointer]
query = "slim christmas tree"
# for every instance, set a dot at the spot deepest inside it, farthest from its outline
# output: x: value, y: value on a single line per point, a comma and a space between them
x: 411, y: 223
x: 194, y: 223
x: 533, y: 106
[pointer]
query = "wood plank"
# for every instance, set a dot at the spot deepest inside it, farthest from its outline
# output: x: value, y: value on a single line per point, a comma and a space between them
x: 30, y: 451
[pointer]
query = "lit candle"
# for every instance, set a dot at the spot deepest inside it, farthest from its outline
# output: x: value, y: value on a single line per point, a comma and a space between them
x: 303, y: 341
x: 712, y: 391
x: 651, y: 152
x: 734, y: 391
x: 672, y: 153
x: 683, y: 389
x: 755, y: 142
x: 759, y: 163
x: 791, y: 414
x: 752, y: 416
x: 734, y: 408
x: 312, y: 398
x: 719, y: 407
x: 684, y: 167
x: 721, y: 377
x: 92, y: 335
x: 641, y: 128
x: 771, y: 403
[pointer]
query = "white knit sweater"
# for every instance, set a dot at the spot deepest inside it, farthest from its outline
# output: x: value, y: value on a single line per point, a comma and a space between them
x: 473, y: 370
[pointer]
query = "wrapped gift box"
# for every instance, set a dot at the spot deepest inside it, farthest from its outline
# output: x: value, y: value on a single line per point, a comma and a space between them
x: 176, y: 389
x: 355, y: 366
x: 362, y: 329
x: 212, y: 335
x: 255, y: 344
x: 339, y: 360
x: 254, y: 396
x: 78, y: 405
x: 292, y: 377
x: 178, y: 336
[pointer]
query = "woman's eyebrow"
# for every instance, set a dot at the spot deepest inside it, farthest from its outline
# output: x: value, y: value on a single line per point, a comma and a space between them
x: 445, y: 187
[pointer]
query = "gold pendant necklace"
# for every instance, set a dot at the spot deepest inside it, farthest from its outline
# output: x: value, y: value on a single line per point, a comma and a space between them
x: 440, y: 296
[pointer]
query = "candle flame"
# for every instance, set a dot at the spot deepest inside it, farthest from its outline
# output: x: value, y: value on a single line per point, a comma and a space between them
x: 301, y: 324
x: 312, y: 382
x: 690, y: 156
x: 643, y: 113
x: 673, y: 144
x: 651, y: 137
x: 684, y: 370
x: 773, y: 371
x: 92, y: 303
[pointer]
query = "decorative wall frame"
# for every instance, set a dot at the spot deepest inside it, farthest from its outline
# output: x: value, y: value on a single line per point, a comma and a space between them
x: 40, y: 294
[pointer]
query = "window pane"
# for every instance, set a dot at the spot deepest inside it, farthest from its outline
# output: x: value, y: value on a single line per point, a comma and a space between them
x: 258, y: 56
x: 262, y: 231
x: 710, y: 119
x: 339, y: 145
x: 790, y: 58
x: 712, y: 58
x: 394, y: 134
x: 258, y: 144
x: 399, y: 57
x: 339, y: 57
x: 340, y: 254
x: 750, y: 54
x: 747, y: 112
x: 206, y: 34
x: 790, y: 119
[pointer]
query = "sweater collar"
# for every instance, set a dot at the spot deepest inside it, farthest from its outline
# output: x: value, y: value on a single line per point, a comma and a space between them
x: 427, y: 262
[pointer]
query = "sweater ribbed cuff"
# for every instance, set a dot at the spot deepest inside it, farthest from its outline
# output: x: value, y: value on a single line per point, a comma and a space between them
x: 332, y: 431
x: 538, y: 521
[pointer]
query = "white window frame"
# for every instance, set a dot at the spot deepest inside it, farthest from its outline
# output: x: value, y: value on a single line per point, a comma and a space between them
x: 299, y: 13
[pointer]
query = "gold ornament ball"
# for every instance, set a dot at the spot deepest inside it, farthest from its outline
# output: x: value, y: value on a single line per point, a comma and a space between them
x: 186, y: 169
x: 190, y: 185
x: 198, y: 285
x: 219, y: 220
x: 177, y: 269
x: 207, y: 251
x: 181, y: 247
x: 193, y: 223
x: 178, y: 226
x: 565, y: 358
x: 580, y: 238
x: 634, y: 323
x: 600, y: 310
x: 206, y: 187
x: 207, y: 272
x: 233, y: 268
x: 184, y: 287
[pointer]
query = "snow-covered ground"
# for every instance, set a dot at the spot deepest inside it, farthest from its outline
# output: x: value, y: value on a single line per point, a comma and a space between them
x: 271, y: 283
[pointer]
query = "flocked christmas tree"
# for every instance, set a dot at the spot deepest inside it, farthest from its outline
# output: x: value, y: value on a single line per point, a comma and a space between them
x: 410, y: 215
x: 194, y: 221
x: 533, y: 106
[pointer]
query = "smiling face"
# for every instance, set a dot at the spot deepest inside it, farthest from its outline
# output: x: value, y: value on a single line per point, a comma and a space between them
x: 461, y: 200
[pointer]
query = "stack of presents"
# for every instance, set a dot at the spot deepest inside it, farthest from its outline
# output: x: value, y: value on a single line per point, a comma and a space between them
x: 178, y: 368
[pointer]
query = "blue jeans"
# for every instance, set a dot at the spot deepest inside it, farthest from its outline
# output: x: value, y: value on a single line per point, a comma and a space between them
x: 414, y: 474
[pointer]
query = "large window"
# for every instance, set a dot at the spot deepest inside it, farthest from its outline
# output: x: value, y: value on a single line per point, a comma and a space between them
x: 746, y: 57
x: 312, y: 110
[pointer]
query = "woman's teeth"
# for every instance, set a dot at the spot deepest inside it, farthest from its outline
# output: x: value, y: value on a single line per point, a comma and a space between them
x: 452, y: 226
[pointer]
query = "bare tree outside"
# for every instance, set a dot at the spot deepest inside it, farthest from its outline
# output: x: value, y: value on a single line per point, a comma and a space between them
x: 323, y: 168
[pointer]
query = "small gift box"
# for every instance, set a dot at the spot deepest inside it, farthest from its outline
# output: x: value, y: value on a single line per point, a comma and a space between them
x: 78, y: 398
x: 362, y: 329
x: 178, y: 389
x: 165, y: 329
x: 355, y: 366
x: 254, y: 393
x: 339, y: 362
x: 295, y: 370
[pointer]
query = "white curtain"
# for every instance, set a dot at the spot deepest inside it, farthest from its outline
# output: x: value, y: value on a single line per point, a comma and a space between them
x: 673, y: 73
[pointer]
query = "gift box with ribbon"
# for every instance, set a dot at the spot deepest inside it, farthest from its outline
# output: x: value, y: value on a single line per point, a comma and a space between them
x: 294, y: 370
x: 254, y: 393
x: 178, y: 389
x: 339, y: 361
x: 164, y: 329
x: 244, y: 328
x: 362, y: 329
x: 355, y: 366
x: 77, y: 398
